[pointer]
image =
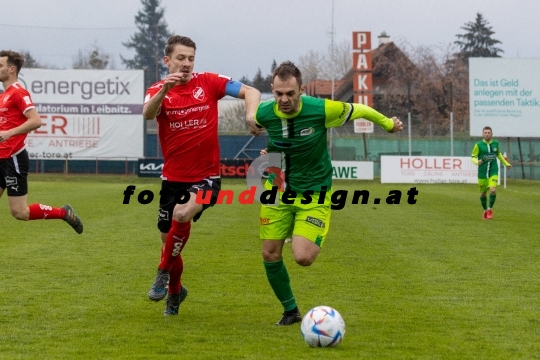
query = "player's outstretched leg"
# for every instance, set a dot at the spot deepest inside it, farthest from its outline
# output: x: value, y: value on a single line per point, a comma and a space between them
x: 72, y: 219
x: 290, y: 317
x: 174, y: 301
x: 158, y: 291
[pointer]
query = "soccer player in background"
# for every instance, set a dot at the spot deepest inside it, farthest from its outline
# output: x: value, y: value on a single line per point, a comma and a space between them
x: 185, y: 104
x: 297, y: 127
x: 18, y: 116
x: 485, y: 154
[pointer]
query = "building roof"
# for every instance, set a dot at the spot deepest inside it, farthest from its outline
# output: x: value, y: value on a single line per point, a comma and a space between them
x: 343, y: 89
x: 322, y: 88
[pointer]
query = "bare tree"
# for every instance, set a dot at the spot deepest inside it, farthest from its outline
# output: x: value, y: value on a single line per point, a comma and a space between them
x: 95, y: 58
x: 233, y: 118
x: 321, y: 65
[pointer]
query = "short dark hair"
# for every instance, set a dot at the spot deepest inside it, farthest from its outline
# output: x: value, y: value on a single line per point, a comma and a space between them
x: 13, y: 59
x: 178, y: 40
x: 286, y: 70
x: 487, y: 128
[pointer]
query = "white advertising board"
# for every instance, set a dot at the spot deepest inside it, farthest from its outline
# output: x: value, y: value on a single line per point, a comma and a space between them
x: 86, y: 114
x: 428, y: 170
x: 363, y: 126
x: 505, y: 95
x: 352, y: 170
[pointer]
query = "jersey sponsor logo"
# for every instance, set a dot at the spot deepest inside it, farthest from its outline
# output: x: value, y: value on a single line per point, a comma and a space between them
x: 10, y: 181
x: 187, y: 124
x: 183, y: 112
x: 306, y: 131
x: 489, y: 157
x: 265, y: 221
x: 315, y: 221
x: 198, y: 93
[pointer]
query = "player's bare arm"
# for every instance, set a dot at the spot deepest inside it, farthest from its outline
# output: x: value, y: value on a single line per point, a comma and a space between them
x: 151, y: 107
x: 252, y: 99
x: 33, y: 122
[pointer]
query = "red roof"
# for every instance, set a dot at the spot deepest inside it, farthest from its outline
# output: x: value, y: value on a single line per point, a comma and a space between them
x: 322, y: 88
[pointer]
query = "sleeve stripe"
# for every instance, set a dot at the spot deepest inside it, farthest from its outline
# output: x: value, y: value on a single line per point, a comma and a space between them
x: 348, y: 117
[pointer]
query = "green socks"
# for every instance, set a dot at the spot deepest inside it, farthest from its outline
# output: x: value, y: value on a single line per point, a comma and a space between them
x: 492, y: 198
x: 483, y: 201
x: 278, y: 277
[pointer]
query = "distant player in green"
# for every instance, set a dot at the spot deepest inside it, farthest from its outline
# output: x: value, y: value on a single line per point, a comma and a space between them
x: 485, y: 154
x: 297, y: 127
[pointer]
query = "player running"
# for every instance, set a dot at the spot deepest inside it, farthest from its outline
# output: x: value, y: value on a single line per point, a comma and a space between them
x: 18, y: 116
x: 297, y: 127
x: 485, y: 154
x: 185, y: 106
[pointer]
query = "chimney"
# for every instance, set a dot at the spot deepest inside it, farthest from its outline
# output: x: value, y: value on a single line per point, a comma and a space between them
x: 383, y: 38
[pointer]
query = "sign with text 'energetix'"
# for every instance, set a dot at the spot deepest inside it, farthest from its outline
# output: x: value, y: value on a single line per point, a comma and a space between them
x: 86, y: 114
x: 505, y: 95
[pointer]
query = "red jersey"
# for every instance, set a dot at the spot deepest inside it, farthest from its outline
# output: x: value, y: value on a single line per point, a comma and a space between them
x: 14, y: 102
x: 188, y: 127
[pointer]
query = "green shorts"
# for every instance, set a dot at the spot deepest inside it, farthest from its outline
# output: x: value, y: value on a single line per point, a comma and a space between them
x: 308, y: 220
x: 485, y: 184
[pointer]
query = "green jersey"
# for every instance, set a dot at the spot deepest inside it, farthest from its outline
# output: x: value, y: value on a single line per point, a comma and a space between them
x: 301, y: 137
x: 488, y: 152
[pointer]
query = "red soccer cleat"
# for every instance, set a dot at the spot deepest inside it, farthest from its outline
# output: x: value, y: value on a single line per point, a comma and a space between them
x: 489, y: 214
x: 484, y: 216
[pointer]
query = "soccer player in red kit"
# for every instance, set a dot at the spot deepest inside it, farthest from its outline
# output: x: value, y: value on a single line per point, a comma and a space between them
x: 18, y: 116
x: 185, y: 105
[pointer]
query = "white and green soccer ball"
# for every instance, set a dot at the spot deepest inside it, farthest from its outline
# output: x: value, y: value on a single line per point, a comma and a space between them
x: 323, y: 326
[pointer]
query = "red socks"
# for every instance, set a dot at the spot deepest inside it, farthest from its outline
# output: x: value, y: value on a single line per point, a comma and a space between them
x: 40, y: 211
x: 176, y: 240
x: 176, y: 273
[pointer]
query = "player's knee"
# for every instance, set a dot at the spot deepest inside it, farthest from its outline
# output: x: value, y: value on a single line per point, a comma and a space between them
x: 182, y: 214
x: 270, y: 256
x: 492, y: 191
x: 305, y: 259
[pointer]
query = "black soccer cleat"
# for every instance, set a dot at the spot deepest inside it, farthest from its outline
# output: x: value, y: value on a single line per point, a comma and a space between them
x: 72, y: 219
x: 174, y: 301
x: 290, y: 317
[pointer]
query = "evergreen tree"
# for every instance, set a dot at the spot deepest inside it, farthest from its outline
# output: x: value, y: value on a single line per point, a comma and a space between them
x: 149, y: 42
x: 478, y: 41
x: 259, y: 82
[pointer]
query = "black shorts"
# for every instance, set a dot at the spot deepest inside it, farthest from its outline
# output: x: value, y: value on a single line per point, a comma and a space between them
x: 173, y: 193
x: 14, y: 174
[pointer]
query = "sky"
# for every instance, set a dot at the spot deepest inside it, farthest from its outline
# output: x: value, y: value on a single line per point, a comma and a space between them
x: 236, y: 38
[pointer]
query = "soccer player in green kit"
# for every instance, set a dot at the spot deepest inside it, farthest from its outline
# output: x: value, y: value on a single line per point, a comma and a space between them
x: 297, y: 127
x: 485, y: 154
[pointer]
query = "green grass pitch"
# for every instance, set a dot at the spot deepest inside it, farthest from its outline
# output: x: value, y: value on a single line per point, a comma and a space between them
x: 425, y: 281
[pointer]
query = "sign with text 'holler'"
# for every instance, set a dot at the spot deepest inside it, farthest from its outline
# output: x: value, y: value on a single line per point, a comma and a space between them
x: 86, y: 114
x: 428, y: 170
x: 505, y: 95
